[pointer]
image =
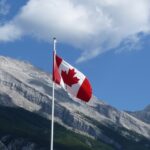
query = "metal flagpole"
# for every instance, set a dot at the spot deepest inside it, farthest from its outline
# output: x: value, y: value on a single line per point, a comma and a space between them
x: 53, y: 100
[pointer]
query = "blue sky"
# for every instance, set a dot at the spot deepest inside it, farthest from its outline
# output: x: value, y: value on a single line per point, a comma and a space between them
x: 106, y: 41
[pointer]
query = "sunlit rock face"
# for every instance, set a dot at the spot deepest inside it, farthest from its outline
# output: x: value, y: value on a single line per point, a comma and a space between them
x: 23, y: 85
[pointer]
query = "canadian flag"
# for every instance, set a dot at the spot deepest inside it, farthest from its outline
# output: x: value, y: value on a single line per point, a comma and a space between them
x: 71, y: 79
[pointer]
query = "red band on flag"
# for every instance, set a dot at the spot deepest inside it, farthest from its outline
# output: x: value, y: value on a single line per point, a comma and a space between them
x: 85, y: 91
x: 58, y: 61
x: 56, y: 64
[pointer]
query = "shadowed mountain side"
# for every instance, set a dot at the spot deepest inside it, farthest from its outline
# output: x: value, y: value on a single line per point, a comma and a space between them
x: 20, y: 130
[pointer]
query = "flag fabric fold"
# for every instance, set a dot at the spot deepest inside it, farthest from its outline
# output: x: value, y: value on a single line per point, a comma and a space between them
x: 72, y: 80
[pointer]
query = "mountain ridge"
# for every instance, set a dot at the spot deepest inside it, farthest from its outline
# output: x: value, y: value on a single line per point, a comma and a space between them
x: 143, y: 115
x: 23, y: 85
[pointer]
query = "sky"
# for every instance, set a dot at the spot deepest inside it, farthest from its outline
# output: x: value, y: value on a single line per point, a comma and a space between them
x: 106, y: 40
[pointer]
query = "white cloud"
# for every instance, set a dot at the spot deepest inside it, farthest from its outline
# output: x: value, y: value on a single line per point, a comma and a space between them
x: 92, y: 26
x: 9, y: 32
x: 4, y: 7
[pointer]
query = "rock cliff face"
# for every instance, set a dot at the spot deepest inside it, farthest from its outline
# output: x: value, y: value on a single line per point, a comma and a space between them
x: 25, y: 86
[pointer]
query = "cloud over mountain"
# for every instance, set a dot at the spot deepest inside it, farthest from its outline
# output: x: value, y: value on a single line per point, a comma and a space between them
x: 94, y: 27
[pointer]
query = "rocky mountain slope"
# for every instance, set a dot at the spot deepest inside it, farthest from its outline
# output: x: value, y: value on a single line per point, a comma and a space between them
x: 23, y: 130
x: 27, y: 87
x: 143, y: 115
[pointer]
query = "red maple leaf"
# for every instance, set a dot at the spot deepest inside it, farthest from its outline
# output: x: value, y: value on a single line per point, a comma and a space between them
x: 69, y: 78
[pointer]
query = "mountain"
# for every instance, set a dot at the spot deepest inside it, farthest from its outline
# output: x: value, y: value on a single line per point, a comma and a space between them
x: 25, y: 96
x: 23, y: 130
x: 143, y: 115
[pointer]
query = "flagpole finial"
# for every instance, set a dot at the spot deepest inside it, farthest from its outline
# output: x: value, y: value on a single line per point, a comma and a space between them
x: 55, y: 41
